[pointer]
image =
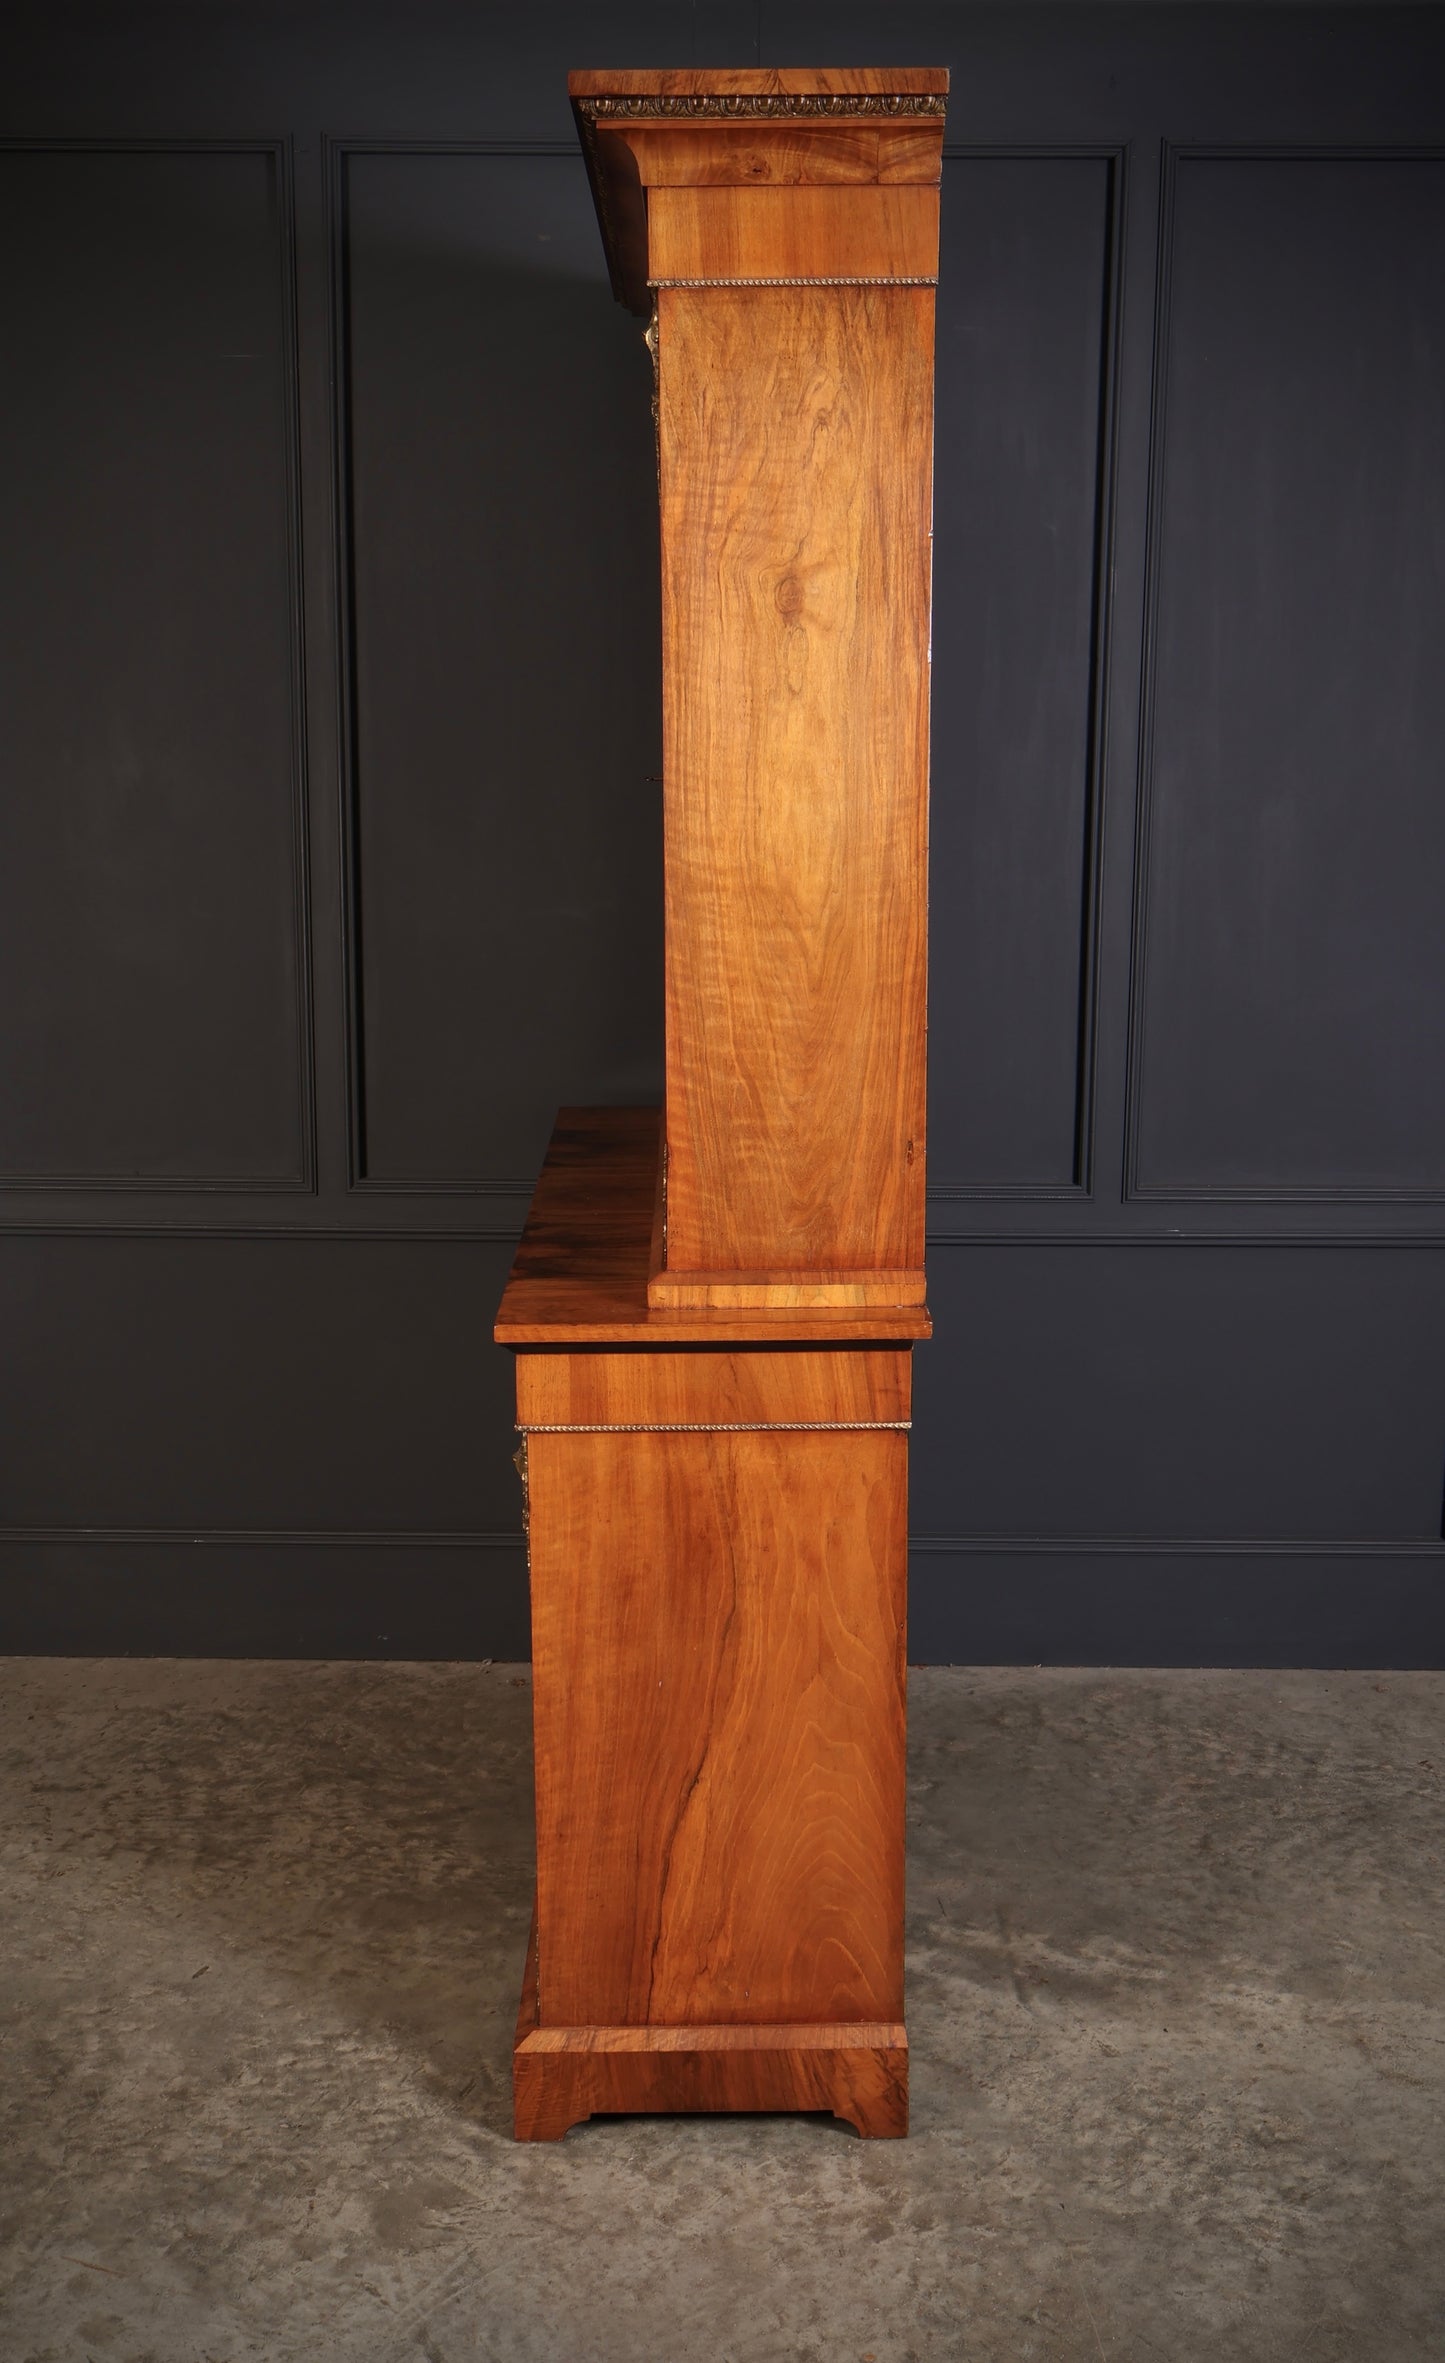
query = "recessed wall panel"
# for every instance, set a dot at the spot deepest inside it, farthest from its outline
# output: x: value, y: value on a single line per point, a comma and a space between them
x: 504, y: 663
x: 1181, y: 1391
x: 1290, y: 1003
x: 309, y: 1385
x: 149, y: 954
x: 1018, y: 493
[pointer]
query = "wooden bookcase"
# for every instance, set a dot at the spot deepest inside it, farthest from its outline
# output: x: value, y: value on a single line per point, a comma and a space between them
x: 714, y: 1304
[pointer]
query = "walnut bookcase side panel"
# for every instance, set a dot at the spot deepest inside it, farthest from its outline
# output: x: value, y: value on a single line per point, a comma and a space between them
x: 719, y: 1670
x: 795, y: 431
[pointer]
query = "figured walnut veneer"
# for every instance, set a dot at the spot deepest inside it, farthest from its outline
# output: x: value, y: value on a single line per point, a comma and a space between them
x: 717, y: 1823
x: 796, y: 431
x: 713, y: 1306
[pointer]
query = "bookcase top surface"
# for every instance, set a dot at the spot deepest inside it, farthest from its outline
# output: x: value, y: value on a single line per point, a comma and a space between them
x: 580, y: 1275
x: 759, y: 82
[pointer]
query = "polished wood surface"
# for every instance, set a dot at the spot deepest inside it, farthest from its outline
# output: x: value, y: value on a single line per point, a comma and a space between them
x: 796, y: 434
x: 712, y: 1307
x: 730, y: 155
x: 858, y: 2071
x: 580, y: 1276
x: 816, y: 1291
x: 713, y: 234
x: 724, y: 1387
x: 718, y: 1680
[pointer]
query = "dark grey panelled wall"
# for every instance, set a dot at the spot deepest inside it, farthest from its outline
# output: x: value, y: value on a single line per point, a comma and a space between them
x: 329, y: 854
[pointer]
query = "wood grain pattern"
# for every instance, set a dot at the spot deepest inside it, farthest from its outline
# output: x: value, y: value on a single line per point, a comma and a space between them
x: 720, y: 1799
x: 724, y: 1386
x: 714, y: 1376
x: 580, y: 1275
x: 780, y: 1291
x: 796, y: 439
x: 738, y: 155
x: 561, y: 2075
x: 789, y: 233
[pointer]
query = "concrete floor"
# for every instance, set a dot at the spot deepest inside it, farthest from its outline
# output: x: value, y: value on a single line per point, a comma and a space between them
x: 1175, y: 2001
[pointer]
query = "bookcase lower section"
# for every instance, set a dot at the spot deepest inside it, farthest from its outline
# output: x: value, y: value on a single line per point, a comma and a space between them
x: 718, y: 1555
x: 562, y: 2075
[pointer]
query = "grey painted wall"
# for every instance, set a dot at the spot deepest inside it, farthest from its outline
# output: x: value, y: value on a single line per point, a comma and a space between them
x: 329, y: 837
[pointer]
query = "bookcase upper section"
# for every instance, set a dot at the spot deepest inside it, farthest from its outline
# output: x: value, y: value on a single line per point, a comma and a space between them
x: 779, y: 230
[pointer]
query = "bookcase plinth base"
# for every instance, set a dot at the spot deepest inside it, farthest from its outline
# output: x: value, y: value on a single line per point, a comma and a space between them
x: 562, y: 2075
